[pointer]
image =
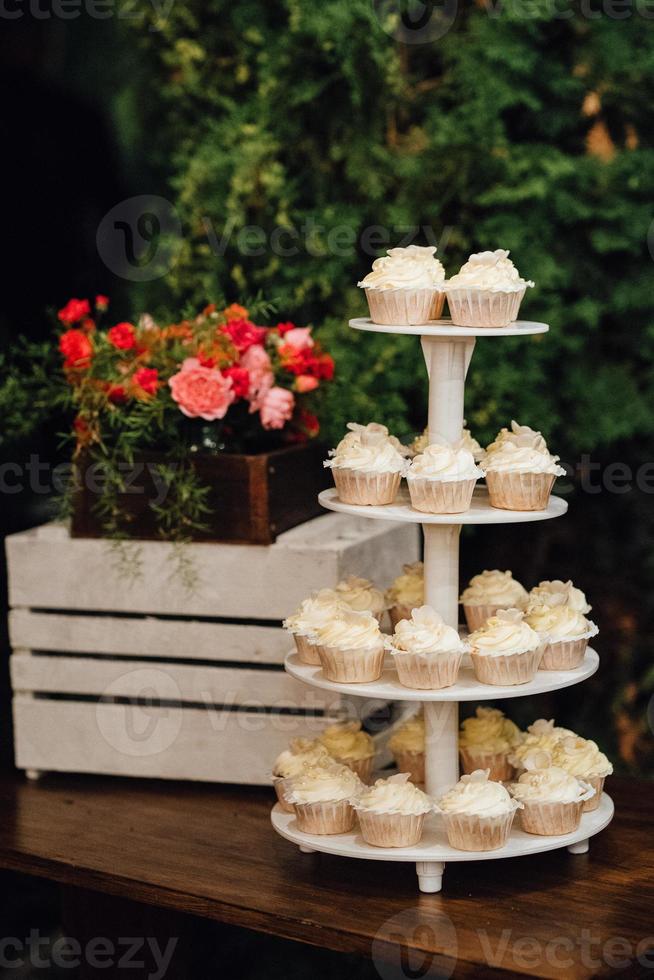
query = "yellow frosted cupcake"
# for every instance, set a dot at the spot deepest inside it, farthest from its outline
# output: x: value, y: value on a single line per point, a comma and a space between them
x: 360, y: 595
x: 487, y: 291
x: 489, y: 592
x: 405, y: 286
x: 407, y: 743
x: 485, y: 741
x: 351, y: 648
x: 505, y: 650
x: 442, y: 479
x: 477, y: 813
x: 392, y: 812
x: 583, y: 759
x: 350, y: 746
x: 552, y: 799
x: 406, y: 593
x: 427, y: 653
x: 548, y: 593
x: 367, y: 470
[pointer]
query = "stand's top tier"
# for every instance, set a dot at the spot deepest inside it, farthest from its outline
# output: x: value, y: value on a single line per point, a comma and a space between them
x: 444, y: 328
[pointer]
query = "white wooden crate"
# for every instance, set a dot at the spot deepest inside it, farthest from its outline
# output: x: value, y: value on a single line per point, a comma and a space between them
x: 141, y: 678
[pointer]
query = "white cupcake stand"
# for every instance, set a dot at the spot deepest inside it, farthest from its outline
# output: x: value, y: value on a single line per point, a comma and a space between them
x: 447, y: 351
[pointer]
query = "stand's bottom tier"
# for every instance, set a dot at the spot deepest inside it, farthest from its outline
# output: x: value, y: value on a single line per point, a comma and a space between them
x: 433, y: 851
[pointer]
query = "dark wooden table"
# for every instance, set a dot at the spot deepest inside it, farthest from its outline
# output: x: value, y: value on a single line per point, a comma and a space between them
x: 210, y: 852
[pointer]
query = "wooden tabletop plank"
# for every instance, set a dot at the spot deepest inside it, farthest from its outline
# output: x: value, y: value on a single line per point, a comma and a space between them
x: 210, y: 851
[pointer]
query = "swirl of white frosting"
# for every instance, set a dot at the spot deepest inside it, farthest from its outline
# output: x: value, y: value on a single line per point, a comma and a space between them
x: 559, y: 622
x: 476, y: 793
x: 408, y: 589
x: 356, y: 430
x: 324, y: 786
x: 410, y: 736
x: 493, y: 271
x: 542, y: 735
x: 503, y: 635
x: 495, y: 588
x: 546, y: 594
x: 413, y: 267
x: 519, y: 435
x: 489, y: 730
x: 351, y: 631
x: 360, y: 595
x: 347, y: 741
x: 426, y: 632
x: 581, y: 757
x: 468, y: 442
x: 372, y: 452
x: 547, y: 784
x: 443, y: 462
x: 292, y: 763
x: 314, y: 612
x: 394, y: 795
x: 509, y: 458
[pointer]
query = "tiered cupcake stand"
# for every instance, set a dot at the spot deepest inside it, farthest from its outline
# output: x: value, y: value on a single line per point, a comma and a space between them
x: 447, y: 351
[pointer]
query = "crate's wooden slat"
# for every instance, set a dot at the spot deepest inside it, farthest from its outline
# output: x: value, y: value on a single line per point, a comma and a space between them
x: 168, y: 682
x: 147, y: 637
x: 165, y: 743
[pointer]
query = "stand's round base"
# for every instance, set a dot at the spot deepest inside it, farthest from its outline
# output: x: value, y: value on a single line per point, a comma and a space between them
x: 433, y: 852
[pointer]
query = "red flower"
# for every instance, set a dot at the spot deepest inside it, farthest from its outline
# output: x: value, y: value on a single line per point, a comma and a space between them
x: 88, y: 324
x: 117, y: 394
x: 101, y: 302
x: 244, y: 334
x: 325, y: 366
x: 76, y: 348
x: 240, y: 380
x: 122, y: 336
x: 147, y: 379
x: 74, y: 310
x: 284, y: 328
x: 309, y: 422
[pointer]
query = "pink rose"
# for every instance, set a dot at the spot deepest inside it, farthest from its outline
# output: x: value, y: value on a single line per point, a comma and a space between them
x: 299, y: 337
x: 201, y: 392
x: 306, y: 382
x: 257, y: 363
x: 276, y: 408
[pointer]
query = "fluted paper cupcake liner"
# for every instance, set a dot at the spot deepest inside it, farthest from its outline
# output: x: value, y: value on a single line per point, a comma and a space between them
x: 280, y: 785
x: 332, y: 817
x: 471, y: 832
x: 563, y: 654
x: 411, y: 762
x: 501, y: 770
x: 405, y: 307
x: 365, y: 489
x: 440, y: 496
x: 391, y: 829
x: 519, y: 491
x: 427, y: 671
x: 398, y: 612
x: 307, y: 650
x: 483, y: 307
x: 551, y: 819
x: 507, y: 669
x: 356, y: 666
x: 476, y: 616
x: 362, y: 767
x: 597, y: 782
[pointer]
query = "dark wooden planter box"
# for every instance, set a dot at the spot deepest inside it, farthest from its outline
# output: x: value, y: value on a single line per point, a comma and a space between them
x: 253, y: 498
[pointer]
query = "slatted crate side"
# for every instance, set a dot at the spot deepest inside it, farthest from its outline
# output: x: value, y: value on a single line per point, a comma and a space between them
x: 49, y: 570
x: 151, y: 742
x: 147, y: 636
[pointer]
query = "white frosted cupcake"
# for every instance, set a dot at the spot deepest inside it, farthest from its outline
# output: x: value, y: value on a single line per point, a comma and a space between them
x: 351, y: 648
x: 442, y: 479
x: 360, y: 595
x: 542, y: 735
x: 485, y: 742
x: 351, y: 747
x: 427, y: 653
x: 322, y: 800
x: 487, y: 291
x: 468, y: 442
x: 406, y: 593
x: 405, y: 286
x: 564, y: 633
x: 522, y: 436
x: 582, y: 758
x: 553, y: 800
x: 547, y: 593
x: 392, y: 812
x: 367, y: 470
x: 477, y: 813
x: 313, y: 613
x: 407, y: 743
x: 303, y: 756
x: 520, y: 477
x: 505, y: 650
x: 356, y: 430
x: 489, y: 592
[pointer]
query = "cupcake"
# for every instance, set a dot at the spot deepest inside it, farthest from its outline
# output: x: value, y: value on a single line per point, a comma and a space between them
x: 468, y: 442
x: 541, y: 735
x: 477, y: 813
x: 518, y: 435
x: 303, y: 756
x: 392, y: 812
x: 487, y: 291
x: 351, y: 648
x: 360, y: 595
x: 564, y: 633
x: 367, y: 470
x: 489, y: 592
x: 351, y: 747
x: 405, y: 286
x: 313, y: 613
x: 322, y: 800
x: 406, y: 593
x: 485, y: 741
x: 520, y: 477
x: 356, y: 430
x: 407, y: 743
x: 506, y: 650
x: 552, y: 799
x: 583, y: 759
x: 427, y: 653
x: 546, y: 593
x: 442, y: 479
